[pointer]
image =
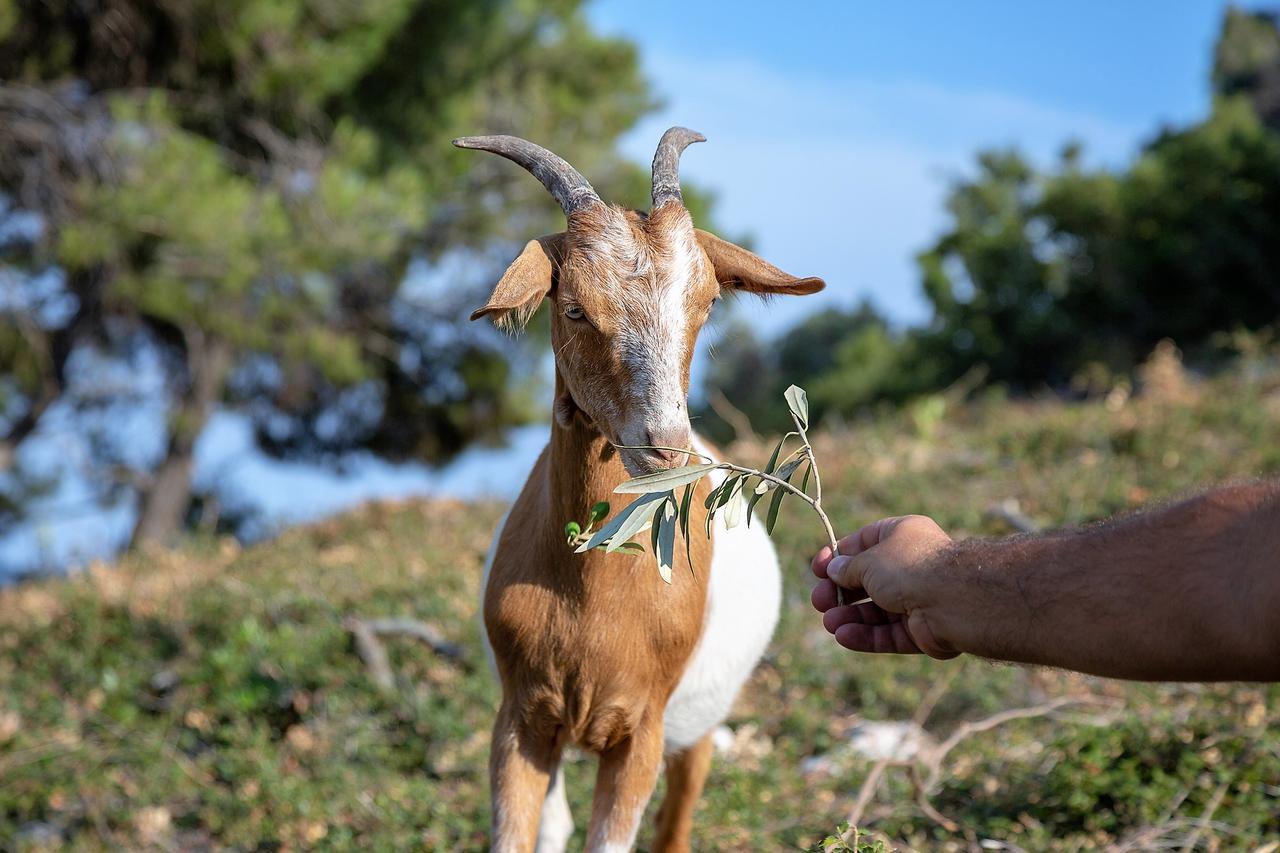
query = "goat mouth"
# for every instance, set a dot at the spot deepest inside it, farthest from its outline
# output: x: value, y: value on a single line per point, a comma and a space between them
x: 639, y: 462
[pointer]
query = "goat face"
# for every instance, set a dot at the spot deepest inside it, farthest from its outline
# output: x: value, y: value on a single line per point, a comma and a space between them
x: 631, y: 296
x: 630, y: 293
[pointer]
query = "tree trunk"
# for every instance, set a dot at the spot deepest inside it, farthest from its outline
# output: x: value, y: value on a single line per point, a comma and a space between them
x: 164, y: 503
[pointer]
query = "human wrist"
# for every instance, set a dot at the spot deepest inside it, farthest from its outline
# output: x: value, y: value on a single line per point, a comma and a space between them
x: 941, y: 613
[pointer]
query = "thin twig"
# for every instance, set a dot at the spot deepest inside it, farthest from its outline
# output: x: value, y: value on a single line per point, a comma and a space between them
x: 1011, y: 513
x: 419, y: 631
x: 935, y: 758
x: 815, y: 500
x: 1206, y: 817
x: 869, y: 785
x: 733, y: 416
x: 365, y: 633
x: 373, y: 653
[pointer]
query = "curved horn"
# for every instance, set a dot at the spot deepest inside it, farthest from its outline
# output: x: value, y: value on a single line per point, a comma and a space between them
x: 566, y: 183
x: 666, y: 164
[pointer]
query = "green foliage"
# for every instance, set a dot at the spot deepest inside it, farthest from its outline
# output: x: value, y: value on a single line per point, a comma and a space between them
x: 211, y: 698
x: 658, y: 508
x: 849, y: 839
x: 1045, y: 278
x: 255, y: 176
x: 1042, y: 275
x: 846, y: 358
x: 1246, y: 61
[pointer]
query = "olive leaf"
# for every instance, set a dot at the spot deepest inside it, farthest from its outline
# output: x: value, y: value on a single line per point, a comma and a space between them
x: 658, y: 508
x: 773, y: 460
x: 779, y: 494
x: 798, y: 403
x: 664, y: 481
x: 720, y: 497
x: 632, y: 509
x: 635, y: 522
x: 685, y: 501
x: 785, y: 472
x: 666, y: 539
x: 733, y: 508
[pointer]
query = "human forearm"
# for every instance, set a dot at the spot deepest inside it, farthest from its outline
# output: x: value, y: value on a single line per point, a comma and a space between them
x: 1189, y: 592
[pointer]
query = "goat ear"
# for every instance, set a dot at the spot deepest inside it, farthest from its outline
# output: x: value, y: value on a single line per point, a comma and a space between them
x: 739, y: 269
x: 525, y: 283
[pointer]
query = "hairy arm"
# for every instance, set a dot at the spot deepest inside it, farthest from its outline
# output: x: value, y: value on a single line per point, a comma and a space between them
x: 1186, y: 592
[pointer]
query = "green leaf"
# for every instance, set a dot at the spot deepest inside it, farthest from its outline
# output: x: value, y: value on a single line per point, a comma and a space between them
x: 599, y: 511
x: 663, y: 481
x: 719, y: 498
x: 634, y: 523
x: 633, y: 547
x: 667, y: 541
x: 636, y: 506
x: 773, y: 460
x: 755, y: 499
x: 776, y: 503
x: 804, y: 484
x: 785, y: 472
x: 772, y: 518
x: 685, y: 501
x: 798, y: 403
x: 655, y: 527
x: 734, y: 508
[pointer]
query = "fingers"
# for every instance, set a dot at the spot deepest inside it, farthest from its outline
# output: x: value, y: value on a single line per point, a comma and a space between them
x: 823, y: 596
x: 865, y: 613
x: 854, y: 543
x: 891, y: 638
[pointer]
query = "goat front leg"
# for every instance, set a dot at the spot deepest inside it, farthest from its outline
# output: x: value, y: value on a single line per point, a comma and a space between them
x: 521, y: 763
x: 628, y: 772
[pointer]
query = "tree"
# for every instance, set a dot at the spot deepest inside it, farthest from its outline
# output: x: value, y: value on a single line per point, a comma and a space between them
x: 1041, y: 275
x: 847, y: 358
x: 242, y: 186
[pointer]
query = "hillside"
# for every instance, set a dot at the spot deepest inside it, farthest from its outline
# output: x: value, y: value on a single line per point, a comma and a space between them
x: 211, y: 697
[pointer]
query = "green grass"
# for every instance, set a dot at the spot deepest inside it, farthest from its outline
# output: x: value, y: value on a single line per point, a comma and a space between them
x: 211, y: 697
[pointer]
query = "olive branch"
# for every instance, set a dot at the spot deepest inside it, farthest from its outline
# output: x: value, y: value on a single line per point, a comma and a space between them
x: 662, y: 513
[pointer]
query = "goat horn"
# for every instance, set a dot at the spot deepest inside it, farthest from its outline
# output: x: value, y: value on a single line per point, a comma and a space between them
x: 666, y: 164
x: 566, y: 183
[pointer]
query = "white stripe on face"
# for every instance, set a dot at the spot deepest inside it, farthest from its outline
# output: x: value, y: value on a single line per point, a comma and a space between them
x: 653, y: 347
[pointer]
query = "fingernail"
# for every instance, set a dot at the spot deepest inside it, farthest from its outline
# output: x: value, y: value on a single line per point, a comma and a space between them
x: 836, y: 567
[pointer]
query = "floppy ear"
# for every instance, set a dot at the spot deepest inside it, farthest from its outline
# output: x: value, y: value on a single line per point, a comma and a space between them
x: 524, y: 284
x: 741, y: 270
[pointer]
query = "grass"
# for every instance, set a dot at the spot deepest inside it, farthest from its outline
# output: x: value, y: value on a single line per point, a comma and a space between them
x: 210, y: 697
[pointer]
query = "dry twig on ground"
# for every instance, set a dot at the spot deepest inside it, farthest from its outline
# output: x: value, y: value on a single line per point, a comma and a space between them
x: 366, y: 632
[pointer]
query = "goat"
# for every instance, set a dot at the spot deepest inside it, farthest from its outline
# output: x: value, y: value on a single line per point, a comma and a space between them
x: 594, y: 650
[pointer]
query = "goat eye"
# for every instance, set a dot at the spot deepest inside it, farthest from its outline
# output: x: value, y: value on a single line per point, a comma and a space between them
x: 574, y: 312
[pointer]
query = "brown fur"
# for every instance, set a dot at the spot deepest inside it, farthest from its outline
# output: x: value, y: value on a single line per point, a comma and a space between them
x: 590, y: 647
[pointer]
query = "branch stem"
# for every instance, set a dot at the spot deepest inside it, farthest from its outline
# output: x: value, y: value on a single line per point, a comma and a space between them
x: 814, y: 501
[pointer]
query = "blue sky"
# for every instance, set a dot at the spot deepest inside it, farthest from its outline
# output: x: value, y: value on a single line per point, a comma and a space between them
x: 833, y: 134
x: 835, y: 128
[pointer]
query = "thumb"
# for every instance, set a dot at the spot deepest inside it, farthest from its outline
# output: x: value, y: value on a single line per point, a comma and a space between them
x: 850, y: 571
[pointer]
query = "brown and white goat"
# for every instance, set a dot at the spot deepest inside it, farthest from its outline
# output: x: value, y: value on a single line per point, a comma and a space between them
x: 594, y: 650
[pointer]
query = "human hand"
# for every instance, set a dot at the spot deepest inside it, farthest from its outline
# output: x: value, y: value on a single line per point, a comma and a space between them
x: 890, y: 562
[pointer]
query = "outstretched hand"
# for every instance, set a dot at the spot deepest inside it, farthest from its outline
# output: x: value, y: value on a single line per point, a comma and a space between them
x: 888, y: 561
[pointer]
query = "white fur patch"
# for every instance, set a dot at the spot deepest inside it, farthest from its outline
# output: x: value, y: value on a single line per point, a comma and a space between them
x: 556, y: 824
x: 744, y: 596
x: 653, y: 347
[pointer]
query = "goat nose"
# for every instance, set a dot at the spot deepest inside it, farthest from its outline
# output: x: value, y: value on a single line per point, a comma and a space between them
x: 671, y: 441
